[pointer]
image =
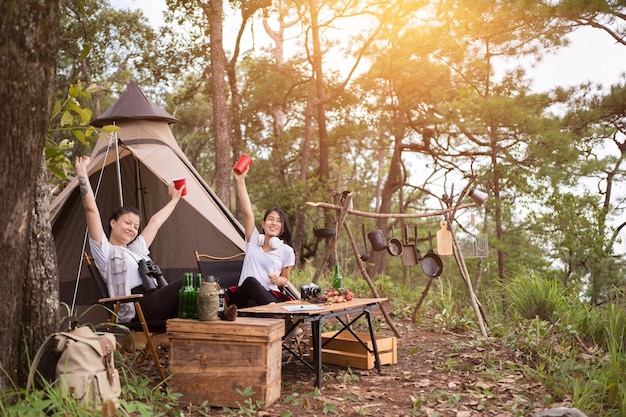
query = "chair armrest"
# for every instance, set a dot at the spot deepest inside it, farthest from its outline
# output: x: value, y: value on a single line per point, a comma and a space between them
x: 121, y: 299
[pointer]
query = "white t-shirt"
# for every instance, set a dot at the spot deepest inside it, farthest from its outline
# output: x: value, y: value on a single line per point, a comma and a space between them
x: 134, y: 252
x: 259, y: 264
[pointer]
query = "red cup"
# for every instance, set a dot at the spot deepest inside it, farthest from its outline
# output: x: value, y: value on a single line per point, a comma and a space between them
x: 179, y: 182
x: 243, y: 163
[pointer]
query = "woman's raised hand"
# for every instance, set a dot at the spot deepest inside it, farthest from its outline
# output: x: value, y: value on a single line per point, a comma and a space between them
x: 82, y: 162
x: 173, y: 192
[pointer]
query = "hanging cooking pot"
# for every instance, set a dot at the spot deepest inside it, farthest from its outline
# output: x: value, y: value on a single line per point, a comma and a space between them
x: 377, y: 239
x: 394, y: 246
x: 431, y: 262
x: 324, y: 233
x: 366, y: 256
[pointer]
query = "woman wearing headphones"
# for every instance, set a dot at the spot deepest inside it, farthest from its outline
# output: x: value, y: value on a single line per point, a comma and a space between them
x: 269, y: 256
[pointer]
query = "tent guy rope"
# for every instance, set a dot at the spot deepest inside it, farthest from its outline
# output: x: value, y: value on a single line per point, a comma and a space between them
x: 80, y: 264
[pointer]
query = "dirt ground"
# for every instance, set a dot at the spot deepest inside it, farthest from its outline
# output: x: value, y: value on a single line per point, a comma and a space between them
x: 438, y: 374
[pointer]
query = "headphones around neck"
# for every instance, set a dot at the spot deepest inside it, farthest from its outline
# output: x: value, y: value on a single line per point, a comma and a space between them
x: 275, y: 242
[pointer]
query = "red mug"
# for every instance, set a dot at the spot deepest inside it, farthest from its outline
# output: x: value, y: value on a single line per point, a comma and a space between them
x: 241, y: 165
x: 179, y: 182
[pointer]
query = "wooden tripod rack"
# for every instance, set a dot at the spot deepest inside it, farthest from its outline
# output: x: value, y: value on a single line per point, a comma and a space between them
x: 449, y: 213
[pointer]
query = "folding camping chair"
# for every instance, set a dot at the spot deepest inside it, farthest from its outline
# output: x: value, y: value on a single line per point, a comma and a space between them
x: 225, y: 269
x: 116, y: 303
x: 228, y: 269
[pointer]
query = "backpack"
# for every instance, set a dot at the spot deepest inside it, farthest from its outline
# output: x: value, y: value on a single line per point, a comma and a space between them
x: 79, y: 362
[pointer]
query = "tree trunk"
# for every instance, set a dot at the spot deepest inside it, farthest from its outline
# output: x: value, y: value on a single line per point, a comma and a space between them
x: 41, y: 289
x: 320, y: 90
x: 320, y: 94
x: 28, y: 53
x: 279, y: 120
x: 305, y: 154
x: 392, y: 184
x: 214, y: 13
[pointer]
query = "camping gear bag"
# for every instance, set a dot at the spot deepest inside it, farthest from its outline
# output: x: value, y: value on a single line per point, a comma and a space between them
x: 81, y: 363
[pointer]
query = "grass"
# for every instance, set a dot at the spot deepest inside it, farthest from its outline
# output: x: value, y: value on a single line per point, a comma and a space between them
x: 576, y: 351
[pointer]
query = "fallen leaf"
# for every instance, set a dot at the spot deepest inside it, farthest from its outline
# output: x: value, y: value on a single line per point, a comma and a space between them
x: 423, y: 383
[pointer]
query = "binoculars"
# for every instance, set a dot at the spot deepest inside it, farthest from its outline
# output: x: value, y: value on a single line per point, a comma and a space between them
x: 151, y: 276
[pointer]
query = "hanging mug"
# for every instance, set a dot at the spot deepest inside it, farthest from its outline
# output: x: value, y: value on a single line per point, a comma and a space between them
x: 377, y: 239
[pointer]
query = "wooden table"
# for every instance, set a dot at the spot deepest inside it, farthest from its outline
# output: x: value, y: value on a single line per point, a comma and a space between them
x: 305, y: 312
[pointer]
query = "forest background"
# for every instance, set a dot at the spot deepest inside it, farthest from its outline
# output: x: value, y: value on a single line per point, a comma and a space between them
x: 424, y: 99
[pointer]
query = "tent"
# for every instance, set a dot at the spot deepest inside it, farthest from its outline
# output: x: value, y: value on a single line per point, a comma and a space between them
x: 149, y: 158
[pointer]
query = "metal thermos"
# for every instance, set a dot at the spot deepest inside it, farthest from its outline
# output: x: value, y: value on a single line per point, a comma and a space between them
x: 208, y: 300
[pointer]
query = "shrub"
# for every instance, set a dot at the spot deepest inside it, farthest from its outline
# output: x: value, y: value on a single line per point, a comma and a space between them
x: 532, y: 296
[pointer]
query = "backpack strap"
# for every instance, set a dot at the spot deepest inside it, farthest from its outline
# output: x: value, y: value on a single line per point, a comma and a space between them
x: 45, y: 347
x: 101, y: 344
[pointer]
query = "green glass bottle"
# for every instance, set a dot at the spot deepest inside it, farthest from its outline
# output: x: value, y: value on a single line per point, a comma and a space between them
x: 337, y: 278
x: 189, y: 293
x: 182, y: 296
x: 194, y: 297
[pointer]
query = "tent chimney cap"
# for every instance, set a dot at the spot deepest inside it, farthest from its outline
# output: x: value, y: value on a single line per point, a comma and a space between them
x: 133, y: 104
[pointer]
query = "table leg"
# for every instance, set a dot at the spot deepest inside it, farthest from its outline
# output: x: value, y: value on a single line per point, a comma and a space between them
x: 316, y: 333
x: 370, y: 325
x: 297, y: 355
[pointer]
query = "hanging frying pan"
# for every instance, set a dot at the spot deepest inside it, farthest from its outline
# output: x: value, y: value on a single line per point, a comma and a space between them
x: 409, y: 253
x: 394, y: 247
x: 431, y: 262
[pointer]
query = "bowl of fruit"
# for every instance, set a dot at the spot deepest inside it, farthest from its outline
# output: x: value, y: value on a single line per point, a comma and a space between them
x: 333, y: 295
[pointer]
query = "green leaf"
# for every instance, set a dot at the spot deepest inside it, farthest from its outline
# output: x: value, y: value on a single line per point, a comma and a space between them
x: 85, y: 115
x: 78, y: 134
x: 93, y: 88
x: 85, y: 51
x: 74, y: 90
x: 56, y: 108
x: 67, y: 119
x: 111, y: 128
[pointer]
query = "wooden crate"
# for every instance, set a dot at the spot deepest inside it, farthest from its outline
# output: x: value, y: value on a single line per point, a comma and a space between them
x: 210, y: 360
x: 345, y: 350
